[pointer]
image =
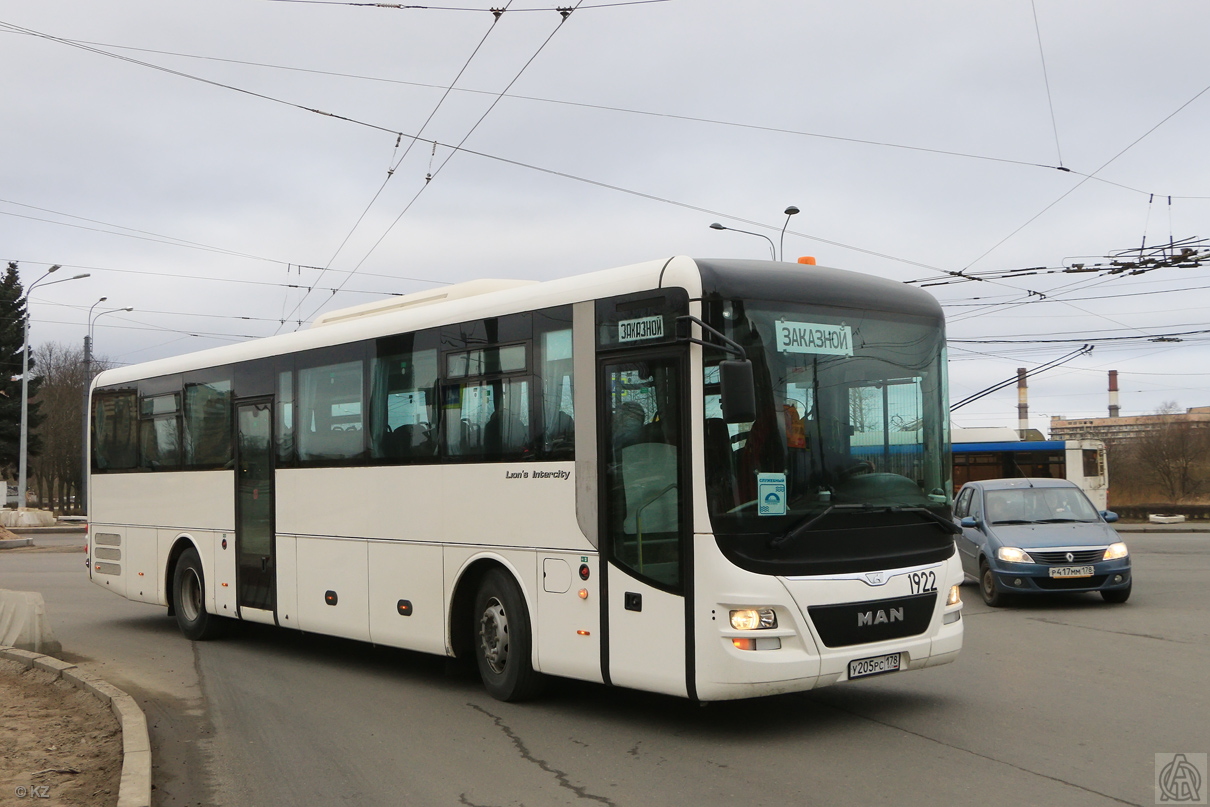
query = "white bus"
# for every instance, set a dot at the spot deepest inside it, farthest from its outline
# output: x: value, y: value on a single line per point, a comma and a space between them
x: 542, y: 477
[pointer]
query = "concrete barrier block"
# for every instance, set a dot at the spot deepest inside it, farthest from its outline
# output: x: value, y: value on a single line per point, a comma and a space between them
x: 134, y: 723
x: 53, y: 665
x: 24, y: 624
x: 135, y: 788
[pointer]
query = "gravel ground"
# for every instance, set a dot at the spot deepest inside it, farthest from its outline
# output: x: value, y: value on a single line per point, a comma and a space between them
x: 59, y: 743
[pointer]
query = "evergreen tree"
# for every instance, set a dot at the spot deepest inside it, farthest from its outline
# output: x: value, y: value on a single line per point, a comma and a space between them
x: 12, y: 338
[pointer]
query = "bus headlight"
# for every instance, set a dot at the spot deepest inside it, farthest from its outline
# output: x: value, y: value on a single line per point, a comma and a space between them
x: 1115, y: 551
x: 753, y: 619
x: 1011, y: 554
x: 955, y: 597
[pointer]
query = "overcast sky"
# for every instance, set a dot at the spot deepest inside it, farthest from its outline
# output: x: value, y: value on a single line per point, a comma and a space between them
x: 190, y: 179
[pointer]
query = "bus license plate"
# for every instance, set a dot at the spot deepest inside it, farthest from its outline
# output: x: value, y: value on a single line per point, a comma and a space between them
x: 874, y: 666
x: 1071, y: 571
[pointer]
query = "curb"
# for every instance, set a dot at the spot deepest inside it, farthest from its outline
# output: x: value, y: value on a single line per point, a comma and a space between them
x: 135, y: 787
x: 58, y: 529
x: 13, y: 543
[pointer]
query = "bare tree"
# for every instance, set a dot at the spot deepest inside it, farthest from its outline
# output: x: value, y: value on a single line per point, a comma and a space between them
x: 1173, y: 456
x: 56, y: 472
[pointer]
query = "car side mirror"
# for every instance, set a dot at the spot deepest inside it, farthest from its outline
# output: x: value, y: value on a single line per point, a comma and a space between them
x: 1109, y: 516
x: 969, y: 523
x: 738, y: 391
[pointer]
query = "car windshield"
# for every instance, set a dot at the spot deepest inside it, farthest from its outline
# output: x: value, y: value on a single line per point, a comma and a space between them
x: 1039, y: 505
x: 850, y: 417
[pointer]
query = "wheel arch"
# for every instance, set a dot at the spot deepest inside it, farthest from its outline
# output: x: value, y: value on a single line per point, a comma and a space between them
x: 183, y: 542
x: 460, y: 624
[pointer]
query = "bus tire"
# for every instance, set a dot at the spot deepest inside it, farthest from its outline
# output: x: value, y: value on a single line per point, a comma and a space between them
x: 993, y: 595
x: 189, y: 599
x: 503, y: 639
x: 1116, y: 594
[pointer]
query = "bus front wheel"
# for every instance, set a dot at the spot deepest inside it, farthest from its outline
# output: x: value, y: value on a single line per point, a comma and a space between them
x: 504, y: 640
x: 189, y: 599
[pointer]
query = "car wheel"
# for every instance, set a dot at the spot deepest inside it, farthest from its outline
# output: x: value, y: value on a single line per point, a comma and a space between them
x: 503, y: 647
x: 993, y: 595
x: 1116, y: 594
x: 189, y: 600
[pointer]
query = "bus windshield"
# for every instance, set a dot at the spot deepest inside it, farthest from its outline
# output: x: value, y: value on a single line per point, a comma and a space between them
x: 851, y: 431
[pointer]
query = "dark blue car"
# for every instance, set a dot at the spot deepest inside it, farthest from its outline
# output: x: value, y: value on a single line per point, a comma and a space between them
x: 1037, y: 536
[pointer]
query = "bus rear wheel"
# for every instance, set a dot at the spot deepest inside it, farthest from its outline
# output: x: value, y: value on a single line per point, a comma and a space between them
x: 504, y: 640
x: 189, y: 599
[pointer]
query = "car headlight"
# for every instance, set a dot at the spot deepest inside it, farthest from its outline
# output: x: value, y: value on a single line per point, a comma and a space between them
x: 1115, y: 551
x: 1011, y: 554
x: 955, y: 597
x: 753, y: 619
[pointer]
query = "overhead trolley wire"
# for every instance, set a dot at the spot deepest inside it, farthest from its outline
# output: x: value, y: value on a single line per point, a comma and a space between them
x: 396, y: 163
x: 455, y: 149
x: 496, y: 11
x: 1046, y: 78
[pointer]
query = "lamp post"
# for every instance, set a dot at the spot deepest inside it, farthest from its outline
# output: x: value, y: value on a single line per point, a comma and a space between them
x: 790, y: 211
x: 24, y: 446
x: 772, y: 252
x: 84, y: 461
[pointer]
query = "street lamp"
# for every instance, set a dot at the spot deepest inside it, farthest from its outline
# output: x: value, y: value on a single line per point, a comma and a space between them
x: 84, y: 461
x: 773, y: 254
x: 24, y: 459
x: 790, y: 211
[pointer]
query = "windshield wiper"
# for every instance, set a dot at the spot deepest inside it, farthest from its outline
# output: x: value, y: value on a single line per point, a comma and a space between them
x: 942, y: 522
x: 806, y: 525
x: 802, y: 527
x: 1015, y: 521
x: 1061, y: 521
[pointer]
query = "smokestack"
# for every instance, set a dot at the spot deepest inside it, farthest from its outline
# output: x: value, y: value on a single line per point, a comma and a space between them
x: 1022, y: 403
x: 1114, y: 409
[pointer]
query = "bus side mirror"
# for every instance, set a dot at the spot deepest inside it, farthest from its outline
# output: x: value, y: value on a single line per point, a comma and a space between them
x: 738, y: 391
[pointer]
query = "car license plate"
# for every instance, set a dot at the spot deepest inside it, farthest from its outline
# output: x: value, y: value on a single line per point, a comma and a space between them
x: 874, y: 666
x: 1071, y: 571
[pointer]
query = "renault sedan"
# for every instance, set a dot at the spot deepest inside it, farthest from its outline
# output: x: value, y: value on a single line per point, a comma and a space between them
x: 1038, y: 536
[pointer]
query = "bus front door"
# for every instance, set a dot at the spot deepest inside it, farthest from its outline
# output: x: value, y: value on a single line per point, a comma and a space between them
x: 645, y: 525
x: 254, y: 508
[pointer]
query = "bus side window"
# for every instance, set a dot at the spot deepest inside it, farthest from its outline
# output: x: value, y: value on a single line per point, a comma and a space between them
x: 403, y: 399
x: 115, y: 442
x: 330, y: 409
x: 208, y: 424
x: 556, y: 379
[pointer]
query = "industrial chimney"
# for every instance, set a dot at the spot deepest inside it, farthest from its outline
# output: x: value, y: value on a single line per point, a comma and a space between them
x: 1022, y: 404
x: 1114, y: 409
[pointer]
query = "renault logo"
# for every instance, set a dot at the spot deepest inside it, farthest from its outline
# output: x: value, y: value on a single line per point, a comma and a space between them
x: 1070, y: 557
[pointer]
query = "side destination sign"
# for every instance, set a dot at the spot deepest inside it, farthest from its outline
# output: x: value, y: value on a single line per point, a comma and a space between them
x: 632, y: 330
x: 811, y: 337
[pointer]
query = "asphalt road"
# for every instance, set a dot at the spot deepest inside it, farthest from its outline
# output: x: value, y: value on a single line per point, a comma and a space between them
x: 1063, y: 701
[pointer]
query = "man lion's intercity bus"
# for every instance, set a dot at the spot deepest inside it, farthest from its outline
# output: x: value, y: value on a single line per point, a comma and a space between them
x: 712, y: 479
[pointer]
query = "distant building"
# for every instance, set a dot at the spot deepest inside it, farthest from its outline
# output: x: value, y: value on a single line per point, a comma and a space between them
x: 1122, y: 430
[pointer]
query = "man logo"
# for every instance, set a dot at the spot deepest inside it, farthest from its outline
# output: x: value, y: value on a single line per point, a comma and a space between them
x: 875, y: 578
x: 879, y: 617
